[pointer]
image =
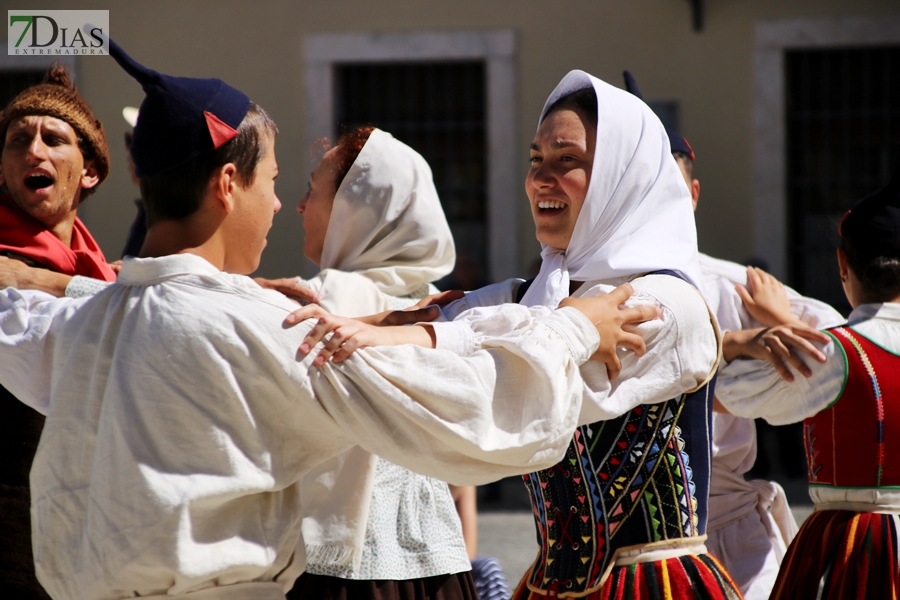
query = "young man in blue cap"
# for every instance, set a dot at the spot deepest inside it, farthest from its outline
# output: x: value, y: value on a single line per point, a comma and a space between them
x: 179, y: 418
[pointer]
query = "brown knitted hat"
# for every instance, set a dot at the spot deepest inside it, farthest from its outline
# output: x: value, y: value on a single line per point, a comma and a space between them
x: 57, y: 97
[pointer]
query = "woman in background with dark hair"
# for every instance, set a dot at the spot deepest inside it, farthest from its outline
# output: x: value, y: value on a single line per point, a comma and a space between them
x: 848, y: 404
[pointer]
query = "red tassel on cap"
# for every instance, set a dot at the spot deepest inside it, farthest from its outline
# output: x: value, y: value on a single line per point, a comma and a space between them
x: 220, y: 132
x: 689, y: 148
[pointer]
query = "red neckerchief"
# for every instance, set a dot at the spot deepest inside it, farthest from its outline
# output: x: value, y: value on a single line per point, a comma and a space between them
x: 23, y: 235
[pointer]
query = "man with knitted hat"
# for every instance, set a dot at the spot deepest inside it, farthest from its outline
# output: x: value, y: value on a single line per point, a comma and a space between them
x: 53, y: 155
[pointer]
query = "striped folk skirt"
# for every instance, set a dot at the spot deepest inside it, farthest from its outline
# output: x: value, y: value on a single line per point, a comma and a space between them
x: 682, y: 578
x: 842, y: 554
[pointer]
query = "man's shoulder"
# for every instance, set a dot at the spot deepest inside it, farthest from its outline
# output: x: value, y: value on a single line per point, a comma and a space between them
x: 204, y: 301
x: 716, y: 268
x: 664, y: 285
x: 232, y: 294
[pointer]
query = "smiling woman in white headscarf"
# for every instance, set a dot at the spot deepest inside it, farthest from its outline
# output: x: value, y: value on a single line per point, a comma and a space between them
x: 629, y: 219
x: 375, y: 226
x: 625, y: 511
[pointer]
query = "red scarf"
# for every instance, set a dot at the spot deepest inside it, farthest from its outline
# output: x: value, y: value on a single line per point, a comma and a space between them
x: 23, y: 235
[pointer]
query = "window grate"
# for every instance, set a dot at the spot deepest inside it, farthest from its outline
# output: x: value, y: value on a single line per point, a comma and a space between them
x: 843, y: 131
x: 437, y: 108
x: 12, y: 83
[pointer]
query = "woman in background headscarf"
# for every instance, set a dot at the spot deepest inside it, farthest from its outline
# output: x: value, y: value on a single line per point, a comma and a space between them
x: 375, y: 226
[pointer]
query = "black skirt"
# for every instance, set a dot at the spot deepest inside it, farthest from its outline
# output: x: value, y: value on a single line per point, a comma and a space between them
x: 458, y: 586
x: 20, y: 431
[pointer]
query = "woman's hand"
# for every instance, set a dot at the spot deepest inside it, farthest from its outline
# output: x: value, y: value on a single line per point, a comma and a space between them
x: 440, y: 299
x: 766, y: 299
x: 424, y: 310
x: 781, y: 346
x: 348, y: 335
x: 614, y: 324
x: 292, y: 287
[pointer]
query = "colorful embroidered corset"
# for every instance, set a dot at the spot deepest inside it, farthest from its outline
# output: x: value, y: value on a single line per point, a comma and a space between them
x: 640, y: 478
x: 846, y: 444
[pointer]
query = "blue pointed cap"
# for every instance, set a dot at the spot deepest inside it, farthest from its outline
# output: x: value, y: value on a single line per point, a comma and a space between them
x: 631, y: 85
x: 676, y: 140
x: 180, y: 117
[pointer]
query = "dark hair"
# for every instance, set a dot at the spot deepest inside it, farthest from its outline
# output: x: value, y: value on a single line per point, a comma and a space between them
x: 583, y: 102
x: 176, y: 193
x: 349, y: 145
x: 685, y: 158
x: 880, y: 275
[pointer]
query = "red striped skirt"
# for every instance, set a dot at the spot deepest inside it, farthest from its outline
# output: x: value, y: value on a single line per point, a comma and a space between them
x: 683, y: 578
x: 842, y: 554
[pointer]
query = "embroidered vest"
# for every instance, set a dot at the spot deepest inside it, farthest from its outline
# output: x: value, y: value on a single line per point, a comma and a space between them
x: 847, y: 444
x: 634, y: 480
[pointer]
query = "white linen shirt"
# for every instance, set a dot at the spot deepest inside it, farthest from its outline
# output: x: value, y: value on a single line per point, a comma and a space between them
x: 754, y: 388
x: 180, y: 420
x: 734, y: 438
x: 682, y: 345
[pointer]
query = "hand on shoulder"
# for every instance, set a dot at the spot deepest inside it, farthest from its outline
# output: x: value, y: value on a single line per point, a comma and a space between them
x: 766, y: 299
x: 615, y: 324
x: 780, y: 346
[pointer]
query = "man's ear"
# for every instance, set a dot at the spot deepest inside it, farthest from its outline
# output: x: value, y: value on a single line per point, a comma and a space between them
x: 695, y: 192
x: 89, y: 175
x: 223, y: 185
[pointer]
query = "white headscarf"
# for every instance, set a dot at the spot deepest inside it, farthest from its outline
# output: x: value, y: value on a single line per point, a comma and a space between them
x: 637, y: 215
x: 387, y: 223
x: 386, y: 227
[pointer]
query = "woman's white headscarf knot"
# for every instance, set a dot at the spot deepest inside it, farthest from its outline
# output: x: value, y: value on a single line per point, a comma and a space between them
x: 637, y: 215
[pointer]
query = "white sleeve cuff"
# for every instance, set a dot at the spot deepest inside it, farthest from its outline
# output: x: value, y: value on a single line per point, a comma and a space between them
x: 455, y: 336
x: 576, y: 330
x: 82, y: 287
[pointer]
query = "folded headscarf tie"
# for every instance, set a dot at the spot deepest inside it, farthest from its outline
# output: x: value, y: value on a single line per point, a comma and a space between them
x: 552, y: 283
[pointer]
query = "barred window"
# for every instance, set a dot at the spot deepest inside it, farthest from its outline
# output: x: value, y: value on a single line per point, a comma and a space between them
x: 843, y: 131
x: 14, y: 82
x: 437, y: 108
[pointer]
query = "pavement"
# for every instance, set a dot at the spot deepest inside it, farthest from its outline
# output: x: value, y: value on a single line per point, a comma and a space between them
x: 506, y: 525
